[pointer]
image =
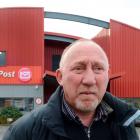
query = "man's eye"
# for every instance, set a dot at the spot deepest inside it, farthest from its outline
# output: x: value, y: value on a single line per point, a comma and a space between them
x: 98, y: 69
x: 78, y: 69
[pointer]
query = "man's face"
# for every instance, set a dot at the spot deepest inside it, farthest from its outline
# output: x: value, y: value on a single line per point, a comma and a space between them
x: 84, y: 78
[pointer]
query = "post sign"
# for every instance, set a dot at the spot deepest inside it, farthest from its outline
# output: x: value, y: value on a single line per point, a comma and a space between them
x: 21, y: 75
x: 25, y: 74
x: 7, y: 74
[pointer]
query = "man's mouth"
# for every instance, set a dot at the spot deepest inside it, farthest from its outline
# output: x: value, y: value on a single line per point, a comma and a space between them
x: 87, y: 92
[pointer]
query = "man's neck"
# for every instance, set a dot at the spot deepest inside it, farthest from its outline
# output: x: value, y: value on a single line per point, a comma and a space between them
x: 86, y: 118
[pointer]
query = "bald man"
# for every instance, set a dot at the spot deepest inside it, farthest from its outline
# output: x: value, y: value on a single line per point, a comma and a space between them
x: 80, y: 108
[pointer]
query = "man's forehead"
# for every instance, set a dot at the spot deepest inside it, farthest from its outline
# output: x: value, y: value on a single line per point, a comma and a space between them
x: 86, y: 61
x: 86, y: 55
x: 83, y: 49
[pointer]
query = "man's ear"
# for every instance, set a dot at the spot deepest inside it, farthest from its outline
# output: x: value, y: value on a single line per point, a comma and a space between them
x: 59, y: 76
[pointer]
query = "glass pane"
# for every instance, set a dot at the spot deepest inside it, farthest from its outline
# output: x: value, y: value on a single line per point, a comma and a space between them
x: 23, y: 104
x: 55, y: 62
x: 2, y: 58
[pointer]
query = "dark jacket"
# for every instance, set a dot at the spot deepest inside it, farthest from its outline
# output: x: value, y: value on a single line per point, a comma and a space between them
x: 46, y: 123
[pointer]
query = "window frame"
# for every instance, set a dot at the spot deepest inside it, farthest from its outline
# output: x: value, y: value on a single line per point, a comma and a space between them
x: 3, y: 60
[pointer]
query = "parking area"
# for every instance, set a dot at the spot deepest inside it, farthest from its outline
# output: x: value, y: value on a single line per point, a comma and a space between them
x: 4, y: 128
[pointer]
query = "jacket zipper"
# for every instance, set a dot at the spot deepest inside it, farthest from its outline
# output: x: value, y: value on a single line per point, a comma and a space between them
x: 88, y: 133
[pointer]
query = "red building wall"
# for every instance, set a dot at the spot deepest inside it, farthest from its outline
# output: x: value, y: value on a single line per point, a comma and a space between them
x: 53, y: 48
x: 102, y: 38
x: 124, y: 58
x: 22, y: 36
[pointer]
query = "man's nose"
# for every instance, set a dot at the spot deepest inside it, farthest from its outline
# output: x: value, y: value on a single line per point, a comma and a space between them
x: 89, y: 78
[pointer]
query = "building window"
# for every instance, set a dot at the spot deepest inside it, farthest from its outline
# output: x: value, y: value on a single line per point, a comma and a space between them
x: 2, y: 58
x: 55, y: 62
x: 23, y: 104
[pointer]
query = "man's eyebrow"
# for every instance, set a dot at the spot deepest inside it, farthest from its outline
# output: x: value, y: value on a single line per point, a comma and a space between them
x: 94, y: 62
x: 98, y: 63
x: 83, y: 62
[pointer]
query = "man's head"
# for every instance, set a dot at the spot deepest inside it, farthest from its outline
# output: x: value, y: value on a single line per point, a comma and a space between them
x: 83, y: 74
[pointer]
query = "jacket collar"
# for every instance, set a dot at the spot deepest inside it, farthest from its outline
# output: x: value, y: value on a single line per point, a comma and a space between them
x: 52, y: 117
x: 124, y: 113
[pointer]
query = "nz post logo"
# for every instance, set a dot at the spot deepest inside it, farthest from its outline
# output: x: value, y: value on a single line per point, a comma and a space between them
x: 25, y: 74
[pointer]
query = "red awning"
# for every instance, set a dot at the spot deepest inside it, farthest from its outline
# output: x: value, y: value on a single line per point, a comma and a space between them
x: 116, y: 75
x: 50, y: 73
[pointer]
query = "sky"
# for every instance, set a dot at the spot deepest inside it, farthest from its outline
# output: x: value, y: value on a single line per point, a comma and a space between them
x: 126, y: 11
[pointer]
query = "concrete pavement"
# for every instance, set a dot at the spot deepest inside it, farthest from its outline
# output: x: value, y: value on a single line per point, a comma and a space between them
x: 3, y: 129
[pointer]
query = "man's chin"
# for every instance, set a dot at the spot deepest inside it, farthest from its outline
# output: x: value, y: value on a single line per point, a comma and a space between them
x: 87, y: 106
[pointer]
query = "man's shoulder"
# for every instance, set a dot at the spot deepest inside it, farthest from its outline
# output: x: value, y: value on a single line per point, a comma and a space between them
x: 122, y: 110
x: 26, y: 122
x: 25, y: 126
x: 114, y: 101
x: 32, y: 116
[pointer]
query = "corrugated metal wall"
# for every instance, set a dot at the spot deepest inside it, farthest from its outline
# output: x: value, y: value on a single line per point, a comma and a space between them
x: 102, y: 38
x: 53, y: 48
x: 22, y: 36
x: 125, y: 58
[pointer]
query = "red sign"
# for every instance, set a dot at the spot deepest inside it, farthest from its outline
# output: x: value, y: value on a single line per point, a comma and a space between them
x: 21, y: 75
x: 25, y: 74
x: 38, y: 101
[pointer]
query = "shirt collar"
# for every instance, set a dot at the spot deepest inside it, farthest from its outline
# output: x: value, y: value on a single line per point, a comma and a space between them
x: 102, y: 111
